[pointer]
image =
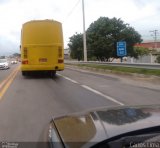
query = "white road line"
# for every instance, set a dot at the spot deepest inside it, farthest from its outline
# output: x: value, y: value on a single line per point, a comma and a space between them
x: 101, y: 94
x: 93, y: 90
x: 68, y: 79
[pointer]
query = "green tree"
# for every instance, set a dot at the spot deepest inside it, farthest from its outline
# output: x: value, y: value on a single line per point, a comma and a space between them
x: 76, y: 46
x: 103, y: 35
x: 140, y: 51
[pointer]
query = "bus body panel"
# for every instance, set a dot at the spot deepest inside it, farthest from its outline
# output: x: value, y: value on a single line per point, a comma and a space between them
x: 42, y: 46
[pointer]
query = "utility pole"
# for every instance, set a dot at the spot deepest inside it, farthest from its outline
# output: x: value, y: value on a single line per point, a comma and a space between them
x: 84, y: 34
x: 155, y: 32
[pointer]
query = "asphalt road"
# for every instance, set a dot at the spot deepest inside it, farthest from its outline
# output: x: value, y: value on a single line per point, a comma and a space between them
x: 28, y: 103
x: 5, y: 72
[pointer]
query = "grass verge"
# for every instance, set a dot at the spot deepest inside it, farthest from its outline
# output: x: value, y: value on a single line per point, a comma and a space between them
x: 120, y: 69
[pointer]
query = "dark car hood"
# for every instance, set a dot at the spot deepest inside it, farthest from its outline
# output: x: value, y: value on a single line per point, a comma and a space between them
x: 101, y: 124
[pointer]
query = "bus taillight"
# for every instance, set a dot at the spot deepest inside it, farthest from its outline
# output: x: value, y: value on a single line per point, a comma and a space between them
x: 25, y: 62
x: 60, y: 60
x: 60, y: 52
x: 25, y: 53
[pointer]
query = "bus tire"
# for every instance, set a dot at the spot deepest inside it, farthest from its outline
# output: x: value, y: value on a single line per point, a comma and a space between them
x: 52, y: 73
x: 24, y: 73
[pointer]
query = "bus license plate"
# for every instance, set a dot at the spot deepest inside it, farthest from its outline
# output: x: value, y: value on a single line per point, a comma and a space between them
x: 42, y: 60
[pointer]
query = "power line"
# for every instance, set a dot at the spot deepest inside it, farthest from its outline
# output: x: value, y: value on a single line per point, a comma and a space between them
x: 155, y: 33
x: 70, y: 13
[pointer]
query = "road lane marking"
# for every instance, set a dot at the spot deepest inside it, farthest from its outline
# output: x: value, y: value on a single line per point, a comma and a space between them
x: 9, y: 79
x: 101, y: 94
x: 93, y: 90
x: 6, y: 79
x: 68, y: 79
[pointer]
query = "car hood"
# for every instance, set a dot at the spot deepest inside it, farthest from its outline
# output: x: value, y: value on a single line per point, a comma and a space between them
x: 98, y: 125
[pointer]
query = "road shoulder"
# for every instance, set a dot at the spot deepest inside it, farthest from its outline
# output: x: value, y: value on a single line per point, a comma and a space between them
x: 150, y: 82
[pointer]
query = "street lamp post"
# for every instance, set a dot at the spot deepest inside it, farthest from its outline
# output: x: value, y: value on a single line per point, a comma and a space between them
x: 84, y: 34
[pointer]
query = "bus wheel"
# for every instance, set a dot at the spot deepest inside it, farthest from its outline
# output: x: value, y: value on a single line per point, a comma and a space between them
x: 23, y: 73
x: 52, y: 73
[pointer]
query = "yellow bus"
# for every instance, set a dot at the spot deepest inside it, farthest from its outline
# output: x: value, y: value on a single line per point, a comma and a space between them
x: 42, y: 47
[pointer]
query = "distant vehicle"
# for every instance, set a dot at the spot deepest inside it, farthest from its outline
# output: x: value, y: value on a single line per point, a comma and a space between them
x: 42, y: 47
x: 121, y: 127
x: 13, y: 62
x: 4, y: 64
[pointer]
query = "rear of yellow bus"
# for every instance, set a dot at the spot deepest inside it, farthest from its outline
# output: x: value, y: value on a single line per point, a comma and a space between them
x: 42, y: 47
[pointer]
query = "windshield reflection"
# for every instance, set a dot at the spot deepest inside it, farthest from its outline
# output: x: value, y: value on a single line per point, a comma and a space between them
x: 123, y: 116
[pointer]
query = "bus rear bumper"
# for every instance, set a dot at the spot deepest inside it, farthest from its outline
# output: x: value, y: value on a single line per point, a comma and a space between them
x: 58, y: 67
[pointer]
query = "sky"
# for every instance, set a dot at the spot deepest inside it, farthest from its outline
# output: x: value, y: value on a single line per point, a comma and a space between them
x: 143, y: 15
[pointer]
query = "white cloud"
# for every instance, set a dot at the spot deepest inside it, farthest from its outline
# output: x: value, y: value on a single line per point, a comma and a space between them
x: 141, y: 14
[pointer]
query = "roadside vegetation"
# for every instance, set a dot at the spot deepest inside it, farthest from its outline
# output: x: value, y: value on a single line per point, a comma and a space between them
x: 140, y: 52
x: 102, y: 37
x: 120, y: 69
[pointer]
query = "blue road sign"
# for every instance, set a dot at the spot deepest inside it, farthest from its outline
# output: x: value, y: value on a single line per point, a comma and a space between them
x: 121, y: 49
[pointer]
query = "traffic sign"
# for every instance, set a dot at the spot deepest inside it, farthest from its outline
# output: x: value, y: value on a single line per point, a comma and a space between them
x: 121, y: 49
